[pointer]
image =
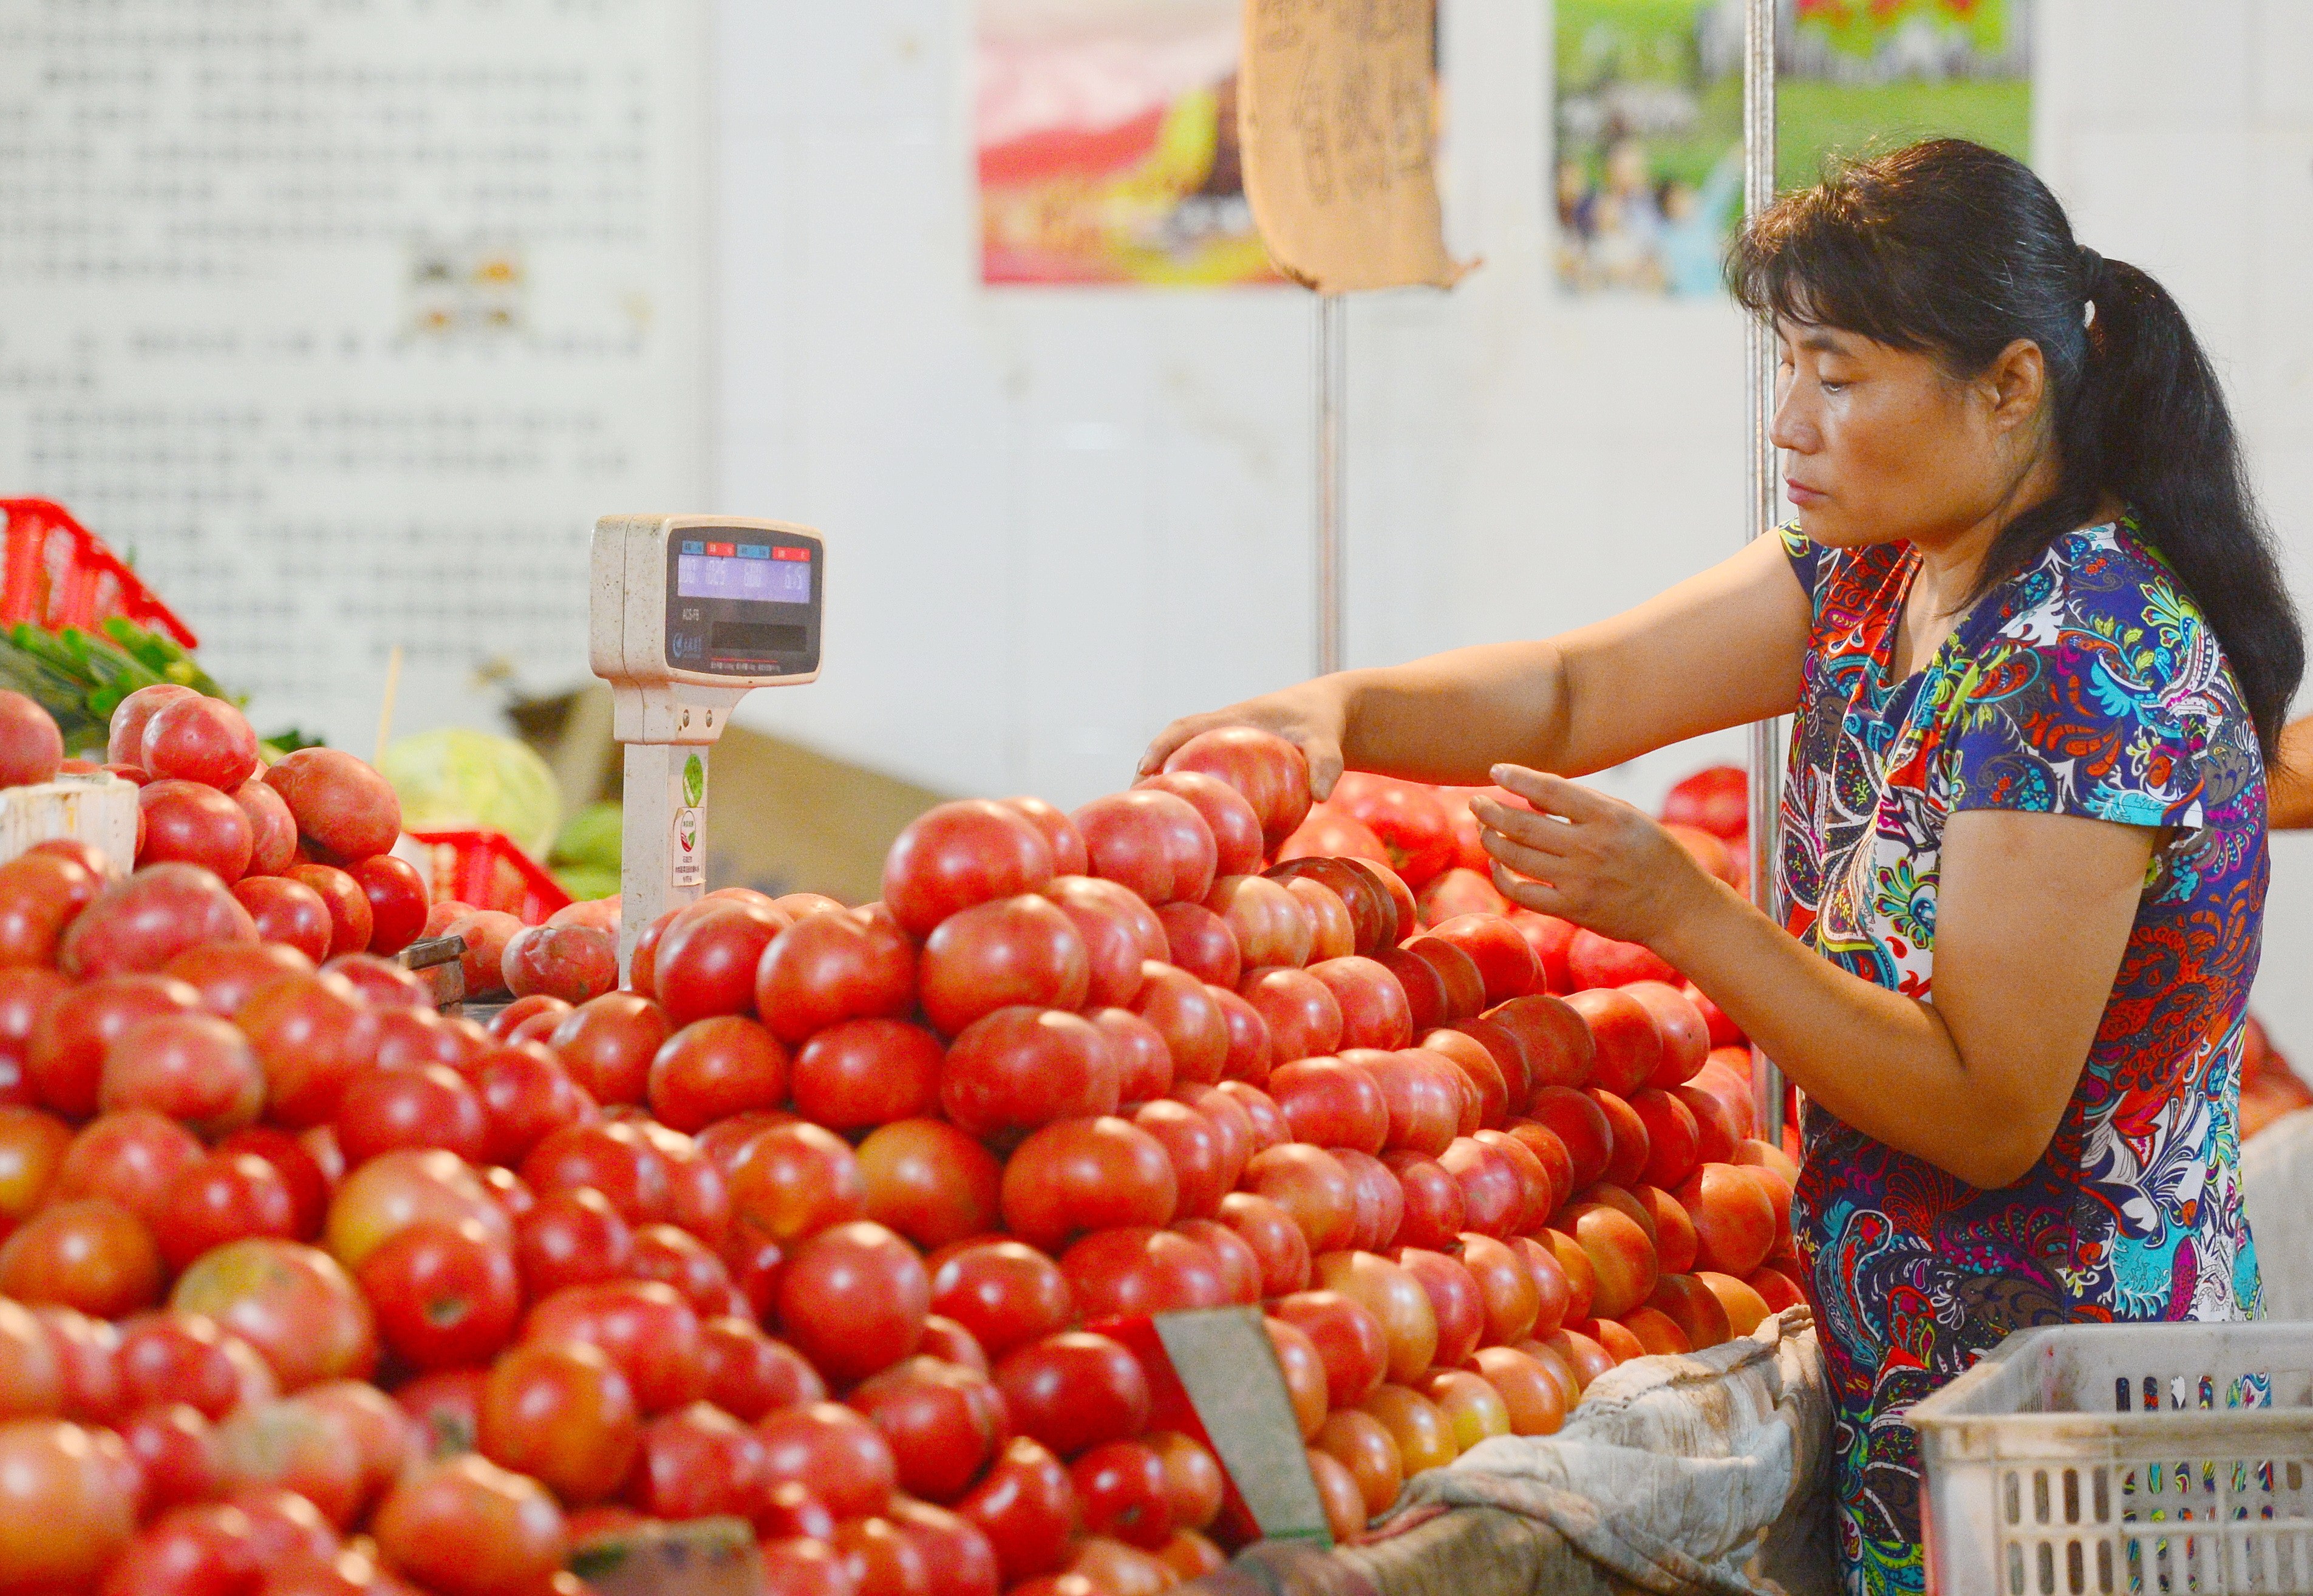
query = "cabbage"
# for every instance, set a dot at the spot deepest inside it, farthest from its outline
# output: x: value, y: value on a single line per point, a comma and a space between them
x: 458, y: 777
x: 594, y: 836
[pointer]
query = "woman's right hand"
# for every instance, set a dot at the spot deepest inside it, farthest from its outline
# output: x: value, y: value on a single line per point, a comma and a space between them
x: 1314, y: 717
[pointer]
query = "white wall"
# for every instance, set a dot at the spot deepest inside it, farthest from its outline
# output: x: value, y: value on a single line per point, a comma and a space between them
x: 1059, y: 517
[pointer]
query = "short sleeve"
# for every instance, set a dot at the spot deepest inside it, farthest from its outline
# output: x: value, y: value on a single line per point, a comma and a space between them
x: 2089, y: 701
x: 1806, y: 555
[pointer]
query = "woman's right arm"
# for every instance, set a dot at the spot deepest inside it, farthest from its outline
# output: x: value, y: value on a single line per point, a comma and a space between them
x: 1722, y: 648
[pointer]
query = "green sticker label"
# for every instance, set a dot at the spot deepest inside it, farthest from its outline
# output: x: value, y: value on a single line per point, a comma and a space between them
x: 694, y: 780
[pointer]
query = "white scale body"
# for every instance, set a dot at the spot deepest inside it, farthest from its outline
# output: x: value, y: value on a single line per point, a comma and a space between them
x: 687, y: 615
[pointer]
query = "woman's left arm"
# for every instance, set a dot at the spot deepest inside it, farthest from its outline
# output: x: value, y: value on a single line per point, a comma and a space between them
x: 2033, y: 915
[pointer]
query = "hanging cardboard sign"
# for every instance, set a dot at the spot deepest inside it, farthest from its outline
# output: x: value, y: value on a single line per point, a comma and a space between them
x: 1337, y: 115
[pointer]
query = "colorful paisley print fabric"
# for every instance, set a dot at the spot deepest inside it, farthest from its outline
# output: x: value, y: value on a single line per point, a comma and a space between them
x: 2090, y: 685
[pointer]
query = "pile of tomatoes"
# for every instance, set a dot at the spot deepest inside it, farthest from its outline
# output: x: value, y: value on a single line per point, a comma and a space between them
x: 817, y: 1222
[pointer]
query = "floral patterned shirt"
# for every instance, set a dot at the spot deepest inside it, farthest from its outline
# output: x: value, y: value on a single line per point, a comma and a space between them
x: 2089, y: 685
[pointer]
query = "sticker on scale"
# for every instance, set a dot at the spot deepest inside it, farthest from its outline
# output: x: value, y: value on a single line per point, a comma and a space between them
x: 687, y: 863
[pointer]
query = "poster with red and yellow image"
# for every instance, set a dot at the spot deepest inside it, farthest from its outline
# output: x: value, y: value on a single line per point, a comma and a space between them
x: 1107, y: 143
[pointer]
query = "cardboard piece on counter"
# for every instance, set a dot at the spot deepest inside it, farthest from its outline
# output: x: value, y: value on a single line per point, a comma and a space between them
x: 1213, y: 1376
x: 1337, y: 114
x: 698, y: 1558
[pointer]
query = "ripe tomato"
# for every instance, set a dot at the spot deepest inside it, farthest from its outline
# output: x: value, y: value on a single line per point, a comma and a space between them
x: 571, y: 962
x: 1250, y: 1053
x: 287, y: 911
x: 145, y: 920
x: 445, y: 1406
x: 381, y: 980
x: 64, y: 1515
x: 344, y: 808
x: 863, y: 1072
x: 25, y: 995
x: 1003, y: 1294
x: 469, y: 1527
x: 88, y: 1255
x: 707, y: 958
x: 200, y: 739
x: 1347, y: 1336
x: 959, y: 854
x: 1271, y: 772
x: 1025, y: 1505
x: 1144, y: 1063
x: 571, y: 1238
x: 351, y: 920
x: 674, y: 1256
x: 698, y: 1462
x: 176, y: 1454
x: 564, y: 1414
x: 958, y: 1559
x: 1201, y: 942
x: 795, y: 1180
x: 1182, y: 1009
x: 224, y: 1197
x: 713, y: 1067
x: 1133, y: 1269
x: 835, y: 1453
x: 185, y: 1357
x: 803, y: 1563
x: 191, y: 824
x: 1121, y: 1490
x: 444, y: 1294
x: 929, y: 1181
x: 293, y: 1303
x: 405, y: 1187
x: 314, y: 1033
x: 1192, y: 1479
x: 1077, y: 1175
x: 880, y: 1560
x: 39, y: 894
x: 33, y: 1145
x: 1118, y: 931
x: 1020, y: 949
x: 418, y: 1107
x: 85, y: 1349
x: 613, y: 1157
x: 943, y: 1424
x: 749, y: 1374
x: 826, y: 968
x: 853, y: 1299
x: 607, y: 1043
x: 64, y: 1058
x: 1019, y: 1068
x: 397, y: 901
x: 227, y: 975
x: 1240, y: 1267
x: 272, y: 829
x: 1152, y: 842
x: 1238, y: 841
x: 646, y: 1329
x: 1074, y: 1391
x: 526, y: 1096
x: 31, y: 748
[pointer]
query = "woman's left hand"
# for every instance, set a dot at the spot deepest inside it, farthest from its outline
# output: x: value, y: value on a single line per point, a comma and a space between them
x: 1586, y: 858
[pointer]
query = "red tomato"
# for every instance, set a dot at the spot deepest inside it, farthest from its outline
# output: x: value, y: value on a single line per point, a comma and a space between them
x: 194, y: 1068
x: 200, y: 739
x: 1144, y: 1062
x: 1712, y: 800
x: 1077, y: 1175
x: 31, y: 748
x: 40, y: 895
x: 1347, y: 1336
x: 607, y: 1044
x: 1075, y: 1392
x: 1118, y: 931
x: 1117, y: 1274
x: 1027, y: 1507
x: 707, y: 958
x: 853, y: 1299
x: 959, y: 854
x: 1152, y: 843
x: 1250, y: 1053
x: 930, y: 1182
x: 314, y: 1033
x: 880, y: 1560
x: 294, y: 1304
x: 64, y: 1058
x: 698, y: 1462
x: 344, y: 808
x: 832, y: 1452
x: 1276, y: 1239
x: 485, y: 933
x: 571, y: 1238
x: 1120, y: 1490
x: 272, y: 829
x: 131, y: 1158
x: 1020, y: 1068
x: 64, y: 1513
x: 642, y: 963
x: 1240, y: 1267
x: 225, y: 1197
x: 176, y: 1454
x: 526, y: 1096
x: 571, y: 962
x: 192, y: 824
x: 1020, y: 949
x: 1271, y: 772
x: 862, y: 1072
x: 826, y: 968
x: 1182, y: 1009
x: 88, y: 1255
x: 397, y: 901
x: 288, y: 911
x: 563, y: 1412
x: 749, y: 1374
x: 1201, y: 942
x: 227, y: 975
x: 351, y: 920
x: 805, y: 1564
x: 1059, y: 833
x: 943, y: 1424
x: 958, y: 1559
x: 645, y: 1327
x: 85, y: 1349
x: 675, y: 1258
x: 713, y: 1067
x: 420, y: 1106
x: 444, y: 1294
x: 1237, y: 831
x: 795, y: 1180
x: 613, y: 1157
x: 1003, y: 1292
x: 1303, y: 1016
x: 469, y: 1527
x: 1193, y: 1146
x: 183, y: 1357
x: 25, y: 995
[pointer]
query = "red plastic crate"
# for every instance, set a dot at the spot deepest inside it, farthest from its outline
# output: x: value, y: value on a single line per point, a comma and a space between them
x: 57, y: 573
x: 489, y: 871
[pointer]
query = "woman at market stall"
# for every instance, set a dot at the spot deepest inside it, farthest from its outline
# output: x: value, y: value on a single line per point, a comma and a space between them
x: 2037, y: 648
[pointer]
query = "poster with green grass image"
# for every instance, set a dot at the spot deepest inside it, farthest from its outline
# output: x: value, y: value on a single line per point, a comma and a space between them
x: 1648, y: 169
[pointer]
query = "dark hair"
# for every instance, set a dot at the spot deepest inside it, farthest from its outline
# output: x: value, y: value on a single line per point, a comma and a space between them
x: 1954, y: 250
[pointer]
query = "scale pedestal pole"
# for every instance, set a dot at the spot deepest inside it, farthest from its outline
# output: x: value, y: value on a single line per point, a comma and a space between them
x: 663, y: 862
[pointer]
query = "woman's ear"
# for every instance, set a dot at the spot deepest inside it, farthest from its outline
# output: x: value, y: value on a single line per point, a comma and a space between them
x: 2015, y: 383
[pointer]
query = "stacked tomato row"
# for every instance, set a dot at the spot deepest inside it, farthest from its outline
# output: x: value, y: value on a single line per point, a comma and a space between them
x: 1071, y: 1068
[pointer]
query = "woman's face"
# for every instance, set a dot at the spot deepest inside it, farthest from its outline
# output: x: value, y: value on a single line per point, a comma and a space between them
x: 1879, y: 444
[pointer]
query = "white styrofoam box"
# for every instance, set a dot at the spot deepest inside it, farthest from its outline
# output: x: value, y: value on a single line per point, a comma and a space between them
x: 99, y: 809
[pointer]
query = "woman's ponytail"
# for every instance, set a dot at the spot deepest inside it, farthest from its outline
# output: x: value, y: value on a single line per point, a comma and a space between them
x: 1949, y: 247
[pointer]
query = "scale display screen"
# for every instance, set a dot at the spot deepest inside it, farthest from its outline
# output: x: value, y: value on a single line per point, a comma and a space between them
x: 772, y: 572
x: 743, y: 606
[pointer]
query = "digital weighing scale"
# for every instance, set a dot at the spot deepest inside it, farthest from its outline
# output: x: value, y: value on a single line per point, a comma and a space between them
x: 688, y: 614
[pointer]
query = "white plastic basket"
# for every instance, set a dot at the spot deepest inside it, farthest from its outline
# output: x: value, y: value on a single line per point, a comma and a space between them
x: 2133, y: 1460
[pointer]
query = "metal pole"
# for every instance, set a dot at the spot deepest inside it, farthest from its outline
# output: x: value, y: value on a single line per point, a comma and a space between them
x: 1766, y: 738
x: 1332, y: 470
